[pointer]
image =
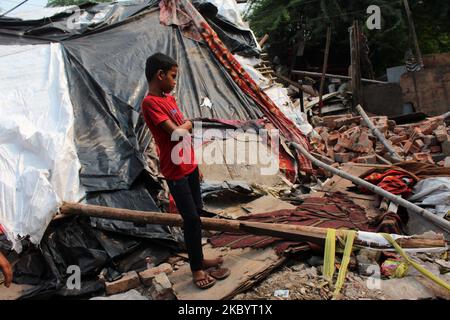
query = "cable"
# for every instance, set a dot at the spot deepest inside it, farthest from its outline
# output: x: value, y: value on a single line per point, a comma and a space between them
x: 13, y: 8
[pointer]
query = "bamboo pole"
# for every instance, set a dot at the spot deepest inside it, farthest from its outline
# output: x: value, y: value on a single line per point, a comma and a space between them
x: 441, y: 223
x: 284, y: 231
x: 324, y: 68
x: 378, y: 134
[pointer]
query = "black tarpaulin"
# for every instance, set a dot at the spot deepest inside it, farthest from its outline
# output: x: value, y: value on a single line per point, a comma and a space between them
x: 107, y: 83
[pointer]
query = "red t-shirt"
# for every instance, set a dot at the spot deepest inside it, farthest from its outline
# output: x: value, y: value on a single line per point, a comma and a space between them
x: 156, y: 110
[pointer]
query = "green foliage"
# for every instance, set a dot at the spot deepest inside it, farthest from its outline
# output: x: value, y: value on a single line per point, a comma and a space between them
x: 285, y: 20
x: 61, y: 3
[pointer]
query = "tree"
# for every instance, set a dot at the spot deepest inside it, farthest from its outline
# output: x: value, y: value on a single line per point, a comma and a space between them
x: 61, y: 3
x: 284, y: 20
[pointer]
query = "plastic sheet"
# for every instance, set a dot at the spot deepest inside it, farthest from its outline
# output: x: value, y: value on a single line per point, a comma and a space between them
x: 38, y: 159
x: 433, y: 192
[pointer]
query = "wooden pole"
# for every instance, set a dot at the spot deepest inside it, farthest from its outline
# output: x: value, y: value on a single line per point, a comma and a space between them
x: 329, y: 75
x: 355, y: 50
x: 284, y: 231
x: 394, y: 155
x: 263, y: 41
x: 324, y: 68
x: 440, y: 222
x: 412, y: 30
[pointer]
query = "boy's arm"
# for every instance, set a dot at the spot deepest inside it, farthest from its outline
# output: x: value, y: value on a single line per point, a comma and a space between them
x: 169, y: 126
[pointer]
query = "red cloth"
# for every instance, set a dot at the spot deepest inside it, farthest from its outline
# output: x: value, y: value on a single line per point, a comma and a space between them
x: 155, y: 111
x: 394, y: 181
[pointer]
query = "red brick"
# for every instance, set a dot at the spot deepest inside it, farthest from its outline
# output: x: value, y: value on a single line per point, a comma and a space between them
x: 398, y: 138
x: 423, y: 157
x: 343, y: 157
x: 407, y: 147
x: 372, y: 159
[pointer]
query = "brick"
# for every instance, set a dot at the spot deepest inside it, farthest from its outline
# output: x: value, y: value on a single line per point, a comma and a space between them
x: 338, y: 148
x: 398, y: 138
x: 328, y: 121
x: 128, y: 281
x: 343, y: 157
x: 430, y: 140
x: 372, y: 159
x: 338, y: 123
x: 429, y: 126
x: 333, y: 138
x: 161, y: 288
x: 419, y: 143
x: 423, y: 157
x: 407, y: 147
x: 147, y: 276
x: 441, y: 134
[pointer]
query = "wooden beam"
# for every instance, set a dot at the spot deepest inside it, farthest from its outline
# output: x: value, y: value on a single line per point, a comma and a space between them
x: 412, y: 30
x: 355, y: 50
x: 324, y: 68
x: 337, y: 76
x: 284, y: 231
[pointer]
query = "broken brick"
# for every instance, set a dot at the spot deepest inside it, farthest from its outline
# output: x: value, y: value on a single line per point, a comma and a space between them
x: 407, y: 147
x: 419, y: 143
x: 423, y: 157
x: 339, y: 123
x: 441, y: 134
x: 147, y: 276
x: 343, y: 157
x: 128, y: 281
x: 161, y: 288
x: 398, y: 138
x: 372, y: 159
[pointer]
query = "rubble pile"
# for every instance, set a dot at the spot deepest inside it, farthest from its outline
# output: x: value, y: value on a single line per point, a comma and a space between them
x: 346, y: 138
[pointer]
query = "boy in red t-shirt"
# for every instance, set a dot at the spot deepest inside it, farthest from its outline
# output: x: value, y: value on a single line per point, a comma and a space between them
x: 177, y: 162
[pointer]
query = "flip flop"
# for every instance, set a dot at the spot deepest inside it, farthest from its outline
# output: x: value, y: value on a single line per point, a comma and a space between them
x: 218, y: 273
x: 204, y: 286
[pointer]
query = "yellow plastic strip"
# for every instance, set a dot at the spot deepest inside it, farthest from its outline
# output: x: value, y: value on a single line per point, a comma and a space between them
x: 330, y: 251
x: 345, y: 261
x: 419, y: 268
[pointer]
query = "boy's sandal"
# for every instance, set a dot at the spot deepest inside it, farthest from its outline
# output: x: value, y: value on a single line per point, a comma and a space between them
x: 207, y: 285
x: 218, y: 273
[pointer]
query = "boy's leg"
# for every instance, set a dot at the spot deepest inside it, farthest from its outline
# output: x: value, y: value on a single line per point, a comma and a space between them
x: 184, y: 200
x: 194, y: 184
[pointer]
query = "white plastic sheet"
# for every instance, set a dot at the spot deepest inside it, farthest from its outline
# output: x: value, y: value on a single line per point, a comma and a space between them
x: 433, y: 192
x: 38, y: 161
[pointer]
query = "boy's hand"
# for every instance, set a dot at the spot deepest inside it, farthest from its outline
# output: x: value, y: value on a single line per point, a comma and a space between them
x: 6, y: 269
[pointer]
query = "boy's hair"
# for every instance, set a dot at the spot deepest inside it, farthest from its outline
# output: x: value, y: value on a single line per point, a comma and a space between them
x: 156, y: 62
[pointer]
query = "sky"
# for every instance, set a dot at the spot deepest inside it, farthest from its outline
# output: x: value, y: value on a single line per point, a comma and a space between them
x: 27, y: 6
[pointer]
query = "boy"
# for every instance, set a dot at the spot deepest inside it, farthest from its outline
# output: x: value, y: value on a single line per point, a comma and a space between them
x: 165, y: 120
